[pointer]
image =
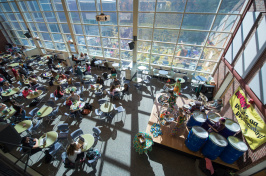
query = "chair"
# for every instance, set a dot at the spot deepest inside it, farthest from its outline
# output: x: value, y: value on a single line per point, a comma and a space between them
x: 53, y: 97
x: 125, y: 81
x: 63, y: 131
x: 98, y: 112
x: 101, y: 101
x: 54, y: 149
x: 34, y: 128
x: 68, y: 164
x: 64, y: 86
x: 148, y: 80
x: 95, y: 159
x: 79, y: 87
x: 119, y: 108
x: 96, y: 135
x: 99, y: 94
x: 42, y: 88
x: 74, y: 135
x: 86, y: 84
x: 33, y: 112
x: 53, y: 114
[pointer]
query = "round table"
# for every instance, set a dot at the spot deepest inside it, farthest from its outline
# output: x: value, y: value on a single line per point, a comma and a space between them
x: 9, y: 113
x: 115, y: 64
x: 182, y: 80
x: 27, y: 82
x: 23, y: 126
x: 77, y: 106
x: 107, y: 107
x: 137, y: 80
x: 88, y: 142
x: 45, y: 111
x: 143, y: 147
x: 60, y: 82
x: 96, y: 86
x: 163, y: 72
x: 14, y: 65
x: 67, y: 90
x: 51, y: 139
x: 47, y: 75
x: 119, y: 89
x: 12, y: 92
x: 32, y: 95
x: 142, y: 67
x: 87, y: 77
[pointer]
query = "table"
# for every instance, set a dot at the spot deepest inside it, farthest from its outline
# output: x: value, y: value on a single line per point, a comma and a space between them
x: 76, y: 106
x: 137, y: 80
x: 88, y: 142
x: 98, y: 62
x: 182, y: 80
x: 47, y: 74
x: 201, y: 78
x: 87, y: 77
x: 12, y: 92
x: 9, y: 113
x: 143, y: 147
x: 44, y: 111
x: 115, y: 64
x: 107, y: 107
x: 111, y: 77
x: 51, y: 139
x: 23, y: 126
x: 32, y: 95
x: 67, y: 90
x: 163, y: 72
x: 27, y: 82
x: 14, y: 65
x: 142, y: 67
x: 119, y: 89
x: 96, y: 86
x: 60, y: 82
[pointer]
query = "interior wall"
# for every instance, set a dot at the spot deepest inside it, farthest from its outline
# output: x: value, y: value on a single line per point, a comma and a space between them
x: 3, y: 42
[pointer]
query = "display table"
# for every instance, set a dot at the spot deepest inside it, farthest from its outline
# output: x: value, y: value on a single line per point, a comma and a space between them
x: 145, y: 146
x: 23, y: 126
x: 88, y: 142
x: 76, y: 106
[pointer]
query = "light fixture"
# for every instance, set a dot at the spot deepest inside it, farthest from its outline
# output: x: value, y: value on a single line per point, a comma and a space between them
x: 102, y: 16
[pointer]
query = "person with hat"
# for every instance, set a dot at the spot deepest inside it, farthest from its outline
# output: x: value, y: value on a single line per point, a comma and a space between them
x: 217, y: 126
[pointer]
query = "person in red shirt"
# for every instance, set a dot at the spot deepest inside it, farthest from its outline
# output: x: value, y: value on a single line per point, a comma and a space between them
x: 15, y: 72
x: 62, y: 76
x: 26, y: 92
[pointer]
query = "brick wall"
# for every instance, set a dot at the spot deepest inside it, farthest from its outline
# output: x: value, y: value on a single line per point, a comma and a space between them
x: 219, y: 75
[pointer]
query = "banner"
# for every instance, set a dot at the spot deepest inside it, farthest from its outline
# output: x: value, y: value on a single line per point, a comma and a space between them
x: 252, y: 125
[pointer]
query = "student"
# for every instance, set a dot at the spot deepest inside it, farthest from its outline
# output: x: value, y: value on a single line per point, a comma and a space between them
x: 73, y: 96
x: 78, y: 71
x: 6, y: 86
x: 19, y: 111
x: 116, y: 82
x: 26, y: 92
x: 5, y: 74
x: 113, y: 92
x: 88, y: 67
x: 100, y: 81
x: 75, y: 60
x: 15, y: 72
x: 62, y: 76
x: 30, y: 143
x: 59, y: 92
x: 74, y: 152
x: 113, y: 72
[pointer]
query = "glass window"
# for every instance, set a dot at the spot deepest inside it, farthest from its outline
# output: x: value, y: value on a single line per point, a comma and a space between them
x: 23, y: 6
x: 202, y: 6
x: 211, y: 54
x: 16, y: 26
x: 87, y: 5
x: 224, y: 23
x: 23, y: 26
x: 58, y: 37
x: 15, y: 8
x: 82, y: 49
x: 37, y: 17
x: 72, y: 48
x: 144, y: 34
x: 111, y: 53
x: 3, y: 17
x: 126, y: 55
x: 126, y: 32
x: 161, y: 60
x: 188, y: 51
x: 75, y: 17
x: 192, y: 37
x: 62, y: 16
x: 147, y: 5
x: 124, y: 44
x: 25, y: 42
x: 49, y: 45
x: 21, y: 34
x: 126, y: 19
x: 217, y: 39
x: 107, y: 5
x: 72, y: 6
x: 50, y: 16
x: 46, y: 36
x: 125, y: 5
x: 11, y: 17
x: 165, y: 35
x: 46, y: 5
x: 58, y: 5
x: 146, y: 19
x: 170, y: 6
x: 231, y: 6
x: 65, y: 28
x: 168, y: 20
x: 182, y: 63
x: 109, y: 31
x: 54, y: 27
x: 33, y: 6
x: 42, y: 27
x: 197, y: 21
x: 163, y: 48
x: 80, y: 39
x: 95, y: 51
x: 6, y: 7
x: 89, y: 17
x: 27, y: 17
x: 68, y: 37
x: 144, y: 46
x: 143, y: 57
x: 93, y: 41
x: 110, y: 43
x: 205, y: 66
x: 19, y: 17
x: 61, y: 46
x: 78, y: 29
x: 32, y: 26
x: 113, y: 19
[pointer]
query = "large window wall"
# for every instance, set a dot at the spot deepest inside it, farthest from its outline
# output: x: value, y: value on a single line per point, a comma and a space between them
x: 180, y: 34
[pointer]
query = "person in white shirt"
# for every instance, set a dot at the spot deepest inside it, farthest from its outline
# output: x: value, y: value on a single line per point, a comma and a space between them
x: 74, y: 96
x: 74, y: 152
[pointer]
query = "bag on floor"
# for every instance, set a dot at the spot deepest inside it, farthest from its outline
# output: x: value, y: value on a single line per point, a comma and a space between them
x: 69, y: 164
x: 105, y: 75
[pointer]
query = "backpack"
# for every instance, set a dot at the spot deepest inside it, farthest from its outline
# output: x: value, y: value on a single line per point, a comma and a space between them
x: 48, y: 157
x: 105, y: 75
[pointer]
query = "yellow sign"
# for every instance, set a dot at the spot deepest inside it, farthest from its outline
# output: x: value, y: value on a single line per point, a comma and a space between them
x: 252, y: 125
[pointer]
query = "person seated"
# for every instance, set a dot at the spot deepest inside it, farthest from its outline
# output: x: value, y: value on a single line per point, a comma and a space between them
x: 126, y: 88
x: 59, y: 92
x: 20, y: 113
x: 54, y: 74
x: 30, y: 143
x: 116, y: 82
x: 32, y: 81
x: 81, y: 57
x: 73, y: 96
x: 216, y: 106
x: 74, y: 152
x: 62, y: 77
x: 2, y: 106
x: 2, y: 80
x: 6, y: 86
x: 100, y: 81
x: 75, y: 60
x: 50, y: 62
x: 26, y: 92
x: 217, y: 126
x: 88, y: 67
x: 113, y: 72
x: 22, y: 70
x: 86, y: 57
x: 78, y: 72
x: 15, y: 72
x: 113, y: 91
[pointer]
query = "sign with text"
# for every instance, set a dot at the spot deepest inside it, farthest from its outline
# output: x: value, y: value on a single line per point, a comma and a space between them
x: 252, y: 125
